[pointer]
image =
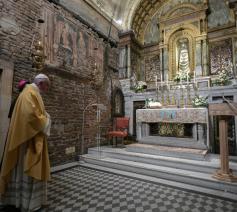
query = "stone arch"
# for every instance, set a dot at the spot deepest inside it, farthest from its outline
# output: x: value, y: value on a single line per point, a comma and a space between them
x: 185, y: 6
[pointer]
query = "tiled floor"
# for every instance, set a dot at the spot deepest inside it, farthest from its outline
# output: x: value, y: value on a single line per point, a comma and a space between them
x: 81, y: 189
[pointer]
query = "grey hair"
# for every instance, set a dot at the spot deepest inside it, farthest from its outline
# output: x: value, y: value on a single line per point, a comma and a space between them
x: 38, y: 80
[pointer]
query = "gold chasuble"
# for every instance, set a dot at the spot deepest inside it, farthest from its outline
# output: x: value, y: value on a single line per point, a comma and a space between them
x: 27, y: 124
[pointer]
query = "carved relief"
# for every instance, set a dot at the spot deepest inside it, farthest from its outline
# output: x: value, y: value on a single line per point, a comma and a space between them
x: 220, y: 54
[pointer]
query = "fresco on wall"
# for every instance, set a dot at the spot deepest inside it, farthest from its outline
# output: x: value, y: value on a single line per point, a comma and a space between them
x: 220, y: 14
x: 174, y: 3
x: 152, y: 34
x: 220, y: 54
x: 68, y: 44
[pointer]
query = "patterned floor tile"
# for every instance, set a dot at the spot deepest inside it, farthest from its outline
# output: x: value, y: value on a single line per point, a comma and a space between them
x: 87, y: 190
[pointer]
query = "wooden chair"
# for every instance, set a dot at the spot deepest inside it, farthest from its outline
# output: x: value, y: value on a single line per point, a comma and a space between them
x: 121, y: 129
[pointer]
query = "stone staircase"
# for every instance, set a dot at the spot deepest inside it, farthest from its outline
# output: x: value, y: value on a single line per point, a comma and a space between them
x: 173, y: 142
x: 168, y: 166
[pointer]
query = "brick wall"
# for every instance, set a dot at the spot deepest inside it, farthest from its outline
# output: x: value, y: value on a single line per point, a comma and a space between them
x: 76, y: 80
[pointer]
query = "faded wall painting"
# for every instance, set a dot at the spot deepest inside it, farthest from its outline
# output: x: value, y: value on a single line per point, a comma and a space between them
x: 220, y: 54
x: 152, y: 34
x: 220, y: 14
x: 68, y: 44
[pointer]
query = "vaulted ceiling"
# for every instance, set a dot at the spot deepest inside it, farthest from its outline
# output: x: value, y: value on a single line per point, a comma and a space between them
x: 121, y: 11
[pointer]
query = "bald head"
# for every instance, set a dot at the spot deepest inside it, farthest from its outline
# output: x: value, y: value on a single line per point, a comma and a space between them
x: 42, y: 82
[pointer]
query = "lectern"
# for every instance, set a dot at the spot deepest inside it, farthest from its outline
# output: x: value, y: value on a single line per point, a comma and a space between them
x: 224, y: 111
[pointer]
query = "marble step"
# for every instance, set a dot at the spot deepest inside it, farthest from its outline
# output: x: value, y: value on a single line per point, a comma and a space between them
x: 203, y: 180
x: 169, y: 151
x: 179, y: 185
x: 172, y: 141
x: 210, y: 165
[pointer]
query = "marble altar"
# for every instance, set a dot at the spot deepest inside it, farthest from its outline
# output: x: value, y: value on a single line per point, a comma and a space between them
x: 198, y: 117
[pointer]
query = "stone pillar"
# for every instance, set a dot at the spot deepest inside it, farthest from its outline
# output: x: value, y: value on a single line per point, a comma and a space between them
x: 161, y: 60
x: 142, y: 130
x: 200, y: 133
x: 128, y: 108
x: 129, y: 61
x: 194, y: 131
x: 234, y: 41
x: 198, y: 61
x: 6, y: 79
x: 122, y: 63
x: 204, y: 57
x: 166, y: 63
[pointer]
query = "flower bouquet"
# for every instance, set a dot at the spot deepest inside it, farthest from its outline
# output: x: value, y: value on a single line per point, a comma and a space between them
x: 200, y: 101
x: 140, y: 86
x: 182, y: 76
x: 223, y: 78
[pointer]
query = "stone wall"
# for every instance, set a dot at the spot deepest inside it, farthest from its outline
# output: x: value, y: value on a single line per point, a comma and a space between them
x: 75, y: 65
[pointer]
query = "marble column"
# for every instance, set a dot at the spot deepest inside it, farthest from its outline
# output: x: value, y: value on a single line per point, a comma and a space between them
x: 161, y: 61
x: 198, y: 61
x: 166, y: 65
x: 122, y: 63
x: 234, y: 41
x: 205, y: 57
x: 129, y: 61
x: 128, y: 108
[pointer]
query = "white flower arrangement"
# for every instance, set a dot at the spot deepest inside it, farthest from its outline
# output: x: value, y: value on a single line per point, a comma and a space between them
x: 200, y: 101
x: 182, y: 76
x: 140, y: 86
x: 223, y: 77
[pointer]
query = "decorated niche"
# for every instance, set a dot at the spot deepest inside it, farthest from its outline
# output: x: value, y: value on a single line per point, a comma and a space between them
x: 118, y: 103
x: 220, y: 55
x: 182, y: 28
x: 181, y: 52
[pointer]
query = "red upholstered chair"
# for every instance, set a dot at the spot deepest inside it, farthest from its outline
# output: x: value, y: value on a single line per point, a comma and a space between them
x: 121, y: 129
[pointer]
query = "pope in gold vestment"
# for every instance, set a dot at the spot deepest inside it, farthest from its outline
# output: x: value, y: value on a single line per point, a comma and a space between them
x: 27, y: 128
